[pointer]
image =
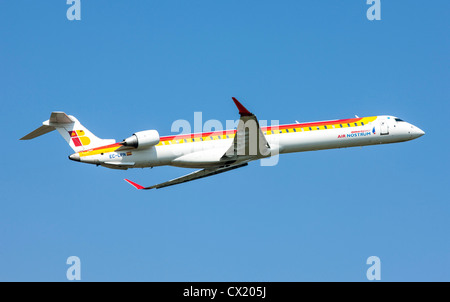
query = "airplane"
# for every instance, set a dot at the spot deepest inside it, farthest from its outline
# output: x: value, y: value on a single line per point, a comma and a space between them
x: 222, y: 151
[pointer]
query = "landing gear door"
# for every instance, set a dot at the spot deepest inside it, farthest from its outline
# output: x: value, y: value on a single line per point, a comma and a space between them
x: 384, y: 128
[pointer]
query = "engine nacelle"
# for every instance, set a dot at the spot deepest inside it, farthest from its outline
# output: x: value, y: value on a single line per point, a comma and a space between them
x: 142, y: 139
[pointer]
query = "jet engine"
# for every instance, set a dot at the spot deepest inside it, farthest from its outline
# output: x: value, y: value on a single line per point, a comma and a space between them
x: 142, y: 139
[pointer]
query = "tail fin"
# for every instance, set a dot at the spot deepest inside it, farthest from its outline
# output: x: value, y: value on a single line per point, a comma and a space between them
x: 76, y: 135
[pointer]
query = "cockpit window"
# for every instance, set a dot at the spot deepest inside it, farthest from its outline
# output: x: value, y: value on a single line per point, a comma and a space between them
x: 399, y: 120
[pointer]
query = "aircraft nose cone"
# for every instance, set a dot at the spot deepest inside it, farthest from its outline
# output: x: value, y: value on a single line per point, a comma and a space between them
x: 75, y: 157
x: 417, y: 132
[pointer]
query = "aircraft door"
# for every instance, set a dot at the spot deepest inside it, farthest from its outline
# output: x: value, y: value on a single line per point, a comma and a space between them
x: 384, y: 128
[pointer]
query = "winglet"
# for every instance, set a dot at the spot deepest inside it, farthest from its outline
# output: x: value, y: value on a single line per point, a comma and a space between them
x: 137, y: 186
x: 242, y: 110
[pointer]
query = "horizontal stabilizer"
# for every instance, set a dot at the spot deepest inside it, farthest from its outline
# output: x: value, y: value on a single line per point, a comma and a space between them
x: 58, y: 117
x: 38, y: 132
x: 74, y: 133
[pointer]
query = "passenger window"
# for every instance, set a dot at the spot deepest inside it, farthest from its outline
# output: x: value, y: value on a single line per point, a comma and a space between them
x: 310, y: 129
x: 362, y: 123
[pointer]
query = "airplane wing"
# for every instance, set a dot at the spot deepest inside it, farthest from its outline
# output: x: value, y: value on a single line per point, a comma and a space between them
x: 191, y: 176
x: 249, y: 141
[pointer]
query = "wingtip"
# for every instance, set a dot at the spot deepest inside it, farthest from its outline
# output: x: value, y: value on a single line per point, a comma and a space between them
x: 137, y: 186
x: 241, y: 108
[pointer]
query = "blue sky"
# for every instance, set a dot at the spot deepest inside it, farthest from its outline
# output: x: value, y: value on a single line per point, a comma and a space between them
x: 316, y: 216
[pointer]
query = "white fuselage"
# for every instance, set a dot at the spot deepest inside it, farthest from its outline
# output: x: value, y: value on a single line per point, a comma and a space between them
x: 206, y: 149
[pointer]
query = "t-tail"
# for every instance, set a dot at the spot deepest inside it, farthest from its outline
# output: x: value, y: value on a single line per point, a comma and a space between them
x: 76, y: 135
